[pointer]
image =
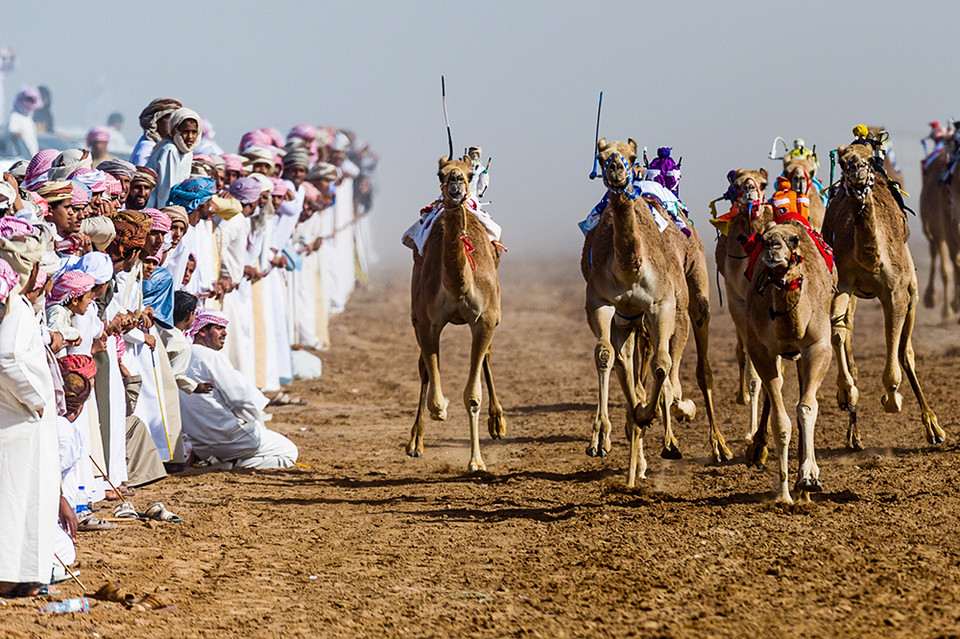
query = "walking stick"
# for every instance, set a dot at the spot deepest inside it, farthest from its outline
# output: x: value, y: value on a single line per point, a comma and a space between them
x: 163, y: 417
x: 104, y: 475
x: 72, y: 576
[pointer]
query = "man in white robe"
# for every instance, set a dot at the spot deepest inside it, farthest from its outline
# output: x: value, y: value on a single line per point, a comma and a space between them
x: 227, y: 424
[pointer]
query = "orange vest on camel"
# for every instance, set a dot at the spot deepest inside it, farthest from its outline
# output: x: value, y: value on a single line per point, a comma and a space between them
x: 786, y: 201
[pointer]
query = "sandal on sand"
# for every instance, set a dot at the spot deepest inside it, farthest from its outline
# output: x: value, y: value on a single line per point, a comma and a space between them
x: 110, y: 591
x: 125, y: 510
x: 91, y: 523
x: 125, y: 493
x: 26, y: 589
x: 159, y: 512
x: 151, y: 602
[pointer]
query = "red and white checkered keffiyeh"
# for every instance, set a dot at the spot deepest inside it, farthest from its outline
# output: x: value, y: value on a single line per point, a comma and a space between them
x: 161, y: 221
x: 204, y: 318
x: 70, y: 285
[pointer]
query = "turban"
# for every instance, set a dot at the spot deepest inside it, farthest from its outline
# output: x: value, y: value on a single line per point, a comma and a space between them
x: 100, y: 230
x: 81, y: 193
x: 76, y: 389
x: 232, y: 162
x: 216, y: 162
x: 154, y: 111
x: 22, y: 252
x: 177, y: 214
x: 341, y: 142
x: 118, y: 168
x: 322, y: 171
x: 206, y: 317
x: 38, y: 167
x: 266, y: 185
x: 93, y: 179
x: 53, y: 192
x: 325, y: 135
x: 8, y: 280
x: 254, y: 138
x: 68, y: 162
x: 41, y: 208
x: 160, y: 221
x: 8, y: 193
x: 260, y: 154
x: 146, y: 175
x: 83, y: 364
x: 131, y: 228
x: 114, y: 187
x: 247, y: 189
x: 97, y: 265
x: 226, y: 207
x: 297, y: 156
x: 178, y: 117
x: 158, y: 295
x: 69, y: 285
x: 97, y: 134
x: 28, y: 100
x: 304, y: 132
x: 19, y: 169
x: 10, y: 225
x: 312, y: 192
x: 41, y: 279
x: 279, y: 186
x: 192, y: 192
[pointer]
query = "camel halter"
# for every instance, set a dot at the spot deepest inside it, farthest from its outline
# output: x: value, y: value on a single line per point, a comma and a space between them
x: 783, y: 285
x: 860, y: 194
x: 467, y: 246
x: 753, y: 207
x: 628, y: 189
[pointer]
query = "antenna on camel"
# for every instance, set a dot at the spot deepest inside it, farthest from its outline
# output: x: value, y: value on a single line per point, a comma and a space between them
x: 596, y: 140
x: 446, y: 119
x: 773, y: 148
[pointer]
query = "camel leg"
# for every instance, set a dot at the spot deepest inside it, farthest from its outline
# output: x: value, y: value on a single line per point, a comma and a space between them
x: 701, y: 336
x: 934, y: 433
x: 415, y: 446
x: 496, y: 422
x: 930, y: 293
x: 600, y: 319
x: 947, y: 275
x: 773, y: 388
x: 811, y: 370
x: 472, y: 392
x: 680, y: 409
x: 429, y: 338
x: 841, y: 321
x: 742, y: 397
x: 661, y: 325
x: 641, y: 364
x: 757, y: 453
x: 894, y: 315
x: 624, y: 342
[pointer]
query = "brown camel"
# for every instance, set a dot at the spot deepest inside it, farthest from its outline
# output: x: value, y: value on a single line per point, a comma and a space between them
x: 751, y: 216
x: 800, y: 173
x: 869, y: 233
x: 455, y: 282
x: 788, y: 317
x: 941, y: 230
x: 636, y: 280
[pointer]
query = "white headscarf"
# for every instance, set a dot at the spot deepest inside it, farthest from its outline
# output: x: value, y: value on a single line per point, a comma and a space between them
x: 176, y: 119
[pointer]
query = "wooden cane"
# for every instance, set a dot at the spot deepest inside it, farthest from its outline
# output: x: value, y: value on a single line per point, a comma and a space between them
x: 104, y: 475
x: 72, y: 576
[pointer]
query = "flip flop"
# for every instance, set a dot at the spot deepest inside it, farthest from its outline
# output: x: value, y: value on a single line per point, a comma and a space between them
x: 151, y: 602
x: 110, y: 591
x: 92, y: 523
x: 159, y: 512
x: 23, y: 589
x: 125, y: 510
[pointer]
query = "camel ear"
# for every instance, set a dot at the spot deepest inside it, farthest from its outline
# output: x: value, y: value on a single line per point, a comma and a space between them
x: 841, y: 149
x: 633, y: 144
x: 763, y: 172
x: 466, y: 158
x: 602, y: 142
x: 443, y: 160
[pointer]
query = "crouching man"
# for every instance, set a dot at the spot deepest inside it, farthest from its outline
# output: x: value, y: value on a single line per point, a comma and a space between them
x: 226, y: 425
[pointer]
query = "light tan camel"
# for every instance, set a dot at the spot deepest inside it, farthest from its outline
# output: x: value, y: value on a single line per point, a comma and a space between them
x: 941, y: 230
x: 636, y: 280
x: 869, y: 233
x: 455, y: 282
x: 788, y: 317
x: 800, y: 173
x: 752, y: 216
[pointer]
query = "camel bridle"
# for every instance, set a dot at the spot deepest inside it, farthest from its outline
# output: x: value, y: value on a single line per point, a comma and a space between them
x: 627, y: 188
x: 753, y: 206
x: 859, y: 193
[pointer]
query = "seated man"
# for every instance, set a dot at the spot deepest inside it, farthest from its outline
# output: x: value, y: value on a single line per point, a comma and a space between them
x: 227, y: 424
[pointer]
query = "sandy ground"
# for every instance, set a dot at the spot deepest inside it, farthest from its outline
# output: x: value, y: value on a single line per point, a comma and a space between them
x: 548, y: 543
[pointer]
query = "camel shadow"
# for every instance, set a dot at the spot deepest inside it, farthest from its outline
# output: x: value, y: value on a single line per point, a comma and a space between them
x: 475, y: 515
x: 549, y: 408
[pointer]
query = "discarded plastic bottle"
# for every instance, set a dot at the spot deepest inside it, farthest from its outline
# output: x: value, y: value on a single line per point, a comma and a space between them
x: 77, y: 604
x: 81, y: 508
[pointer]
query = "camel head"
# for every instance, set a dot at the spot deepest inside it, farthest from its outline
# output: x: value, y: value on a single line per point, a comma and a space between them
x: 455, y: 176
x: 750, y: 186
x: 858, y: 172
x: 617, y: 160
x: 800, y: 173
x: 780, y: 254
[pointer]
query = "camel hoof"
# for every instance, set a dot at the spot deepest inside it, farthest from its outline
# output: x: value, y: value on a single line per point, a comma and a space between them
x: 671, y: 452
x: 756, y: 456
x: 414, y: 453
x: 476, y: 466
x: 497, y: 426
x: 808, y: 485
x: 592, y: 451
x: 854, y: 446
x: 892, y: 402
x: 722, y: 455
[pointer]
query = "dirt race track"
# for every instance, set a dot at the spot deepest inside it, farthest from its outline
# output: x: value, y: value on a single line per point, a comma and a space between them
x: 548, y: 543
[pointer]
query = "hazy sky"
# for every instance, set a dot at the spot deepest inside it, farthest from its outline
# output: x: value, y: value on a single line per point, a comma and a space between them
x: 715, y: 80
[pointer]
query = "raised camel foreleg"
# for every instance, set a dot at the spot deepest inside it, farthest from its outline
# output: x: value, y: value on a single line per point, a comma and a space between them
x: 496, y: 422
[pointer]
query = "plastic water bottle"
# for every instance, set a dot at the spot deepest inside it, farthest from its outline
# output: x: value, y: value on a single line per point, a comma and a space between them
x: 81, y: 508
x: 77, y: 604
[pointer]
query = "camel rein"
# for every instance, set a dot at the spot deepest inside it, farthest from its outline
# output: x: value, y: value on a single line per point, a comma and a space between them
x: 467, y: 246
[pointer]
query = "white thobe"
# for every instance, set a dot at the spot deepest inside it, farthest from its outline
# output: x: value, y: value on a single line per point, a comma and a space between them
x: 29, y: 449
x: 227, y: 423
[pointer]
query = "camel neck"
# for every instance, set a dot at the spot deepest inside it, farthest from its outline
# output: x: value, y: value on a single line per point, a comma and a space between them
x: 785, y: 312
x: 626, y: 232
x: 457, y: 271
